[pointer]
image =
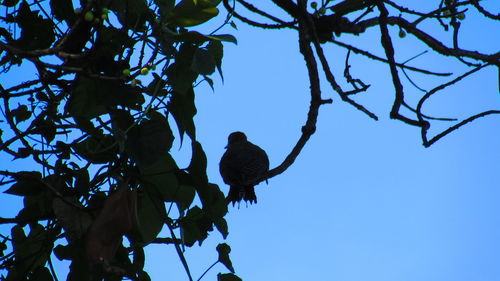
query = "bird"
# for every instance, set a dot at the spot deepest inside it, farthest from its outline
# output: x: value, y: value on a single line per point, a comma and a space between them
x: 242, y: 166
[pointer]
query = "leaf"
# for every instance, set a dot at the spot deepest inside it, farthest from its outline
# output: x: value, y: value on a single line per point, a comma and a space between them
x: 160, y: 178
x: 36, y: 32
x: 117, y: 218
x: 147, y: 141
x: 45, y: 127
x: 92, y: 97
x: 221, y: 225
x: 74, y: 221
x: 223, y: 249
x: 63, y: 10
x: 157, y: 87
x: 187, y: 13
x: 42, y: 274
x: 224, y: 37
x: 21, y: 114
x: 31, y: 251
x: 97, y: 149
x: 203, y: 62
x: 65, y: 252
x: 36, y: 207
x: 132, y: 14
x: 196, y: 226
x: 211, y: 196
x: 151, y: 215
x: 227, y: 277
x: 183, y: 110
x: 217, y: 50
x: 180, y: 74
x: 9, y: 3
x: 28, y: 184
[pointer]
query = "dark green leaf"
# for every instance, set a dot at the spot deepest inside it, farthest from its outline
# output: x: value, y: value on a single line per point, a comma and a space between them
x: 187, y: 13
x: 221, y: 225
x: 23, y: 152
x: 31, y: 251
x: 161, y: 178
x: 203, y: 62
x: 65, y: 252
x: 97, y: 149
x: 63, y: 10
x: 28, y: 184
x: 74, y: 221
x: 21, y: 113
x: 9, y: 3
x: 149, y: 140
x: 227, y: 277
x: 183, y: 110
x: 217, y: 50
x: 223, y: 249
x: 210, y: 195
x: 45, y: 127
x: 36, y: 32
x: 131, y: 13
x: 224, y: 37
x: 151, y: 212
x: 36, y: 207
x: 157, y: 87
x: 180, y: 74
x: 42, y: 274
x: 196, y: 226
x: 93, y: 97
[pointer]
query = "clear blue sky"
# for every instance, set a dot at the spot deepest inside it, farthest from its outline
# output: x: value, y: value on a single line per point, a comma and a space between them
x: 364, y: 200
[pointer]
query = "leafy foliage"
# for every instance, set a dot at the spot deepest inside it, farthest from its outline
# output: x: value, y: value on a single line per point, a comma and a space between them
x: 101, y: 139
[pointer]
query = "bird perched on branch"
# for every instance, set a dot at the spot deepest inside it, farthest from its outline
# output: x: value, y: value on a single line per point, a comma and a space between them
x: 242, y: 166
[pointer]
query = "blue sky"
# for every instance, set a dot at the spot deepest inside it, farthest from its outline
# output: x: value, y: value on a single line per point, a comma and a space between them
x: 364, y: 200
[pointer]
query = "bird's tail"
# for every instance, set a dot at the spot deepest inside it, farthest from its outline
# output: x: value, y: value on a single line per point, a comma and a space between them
x: 238, y: 193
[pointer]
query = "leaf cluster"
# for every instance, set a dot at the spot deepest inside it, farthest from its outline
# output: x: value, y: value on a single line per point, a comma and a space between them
x: 111, y: 81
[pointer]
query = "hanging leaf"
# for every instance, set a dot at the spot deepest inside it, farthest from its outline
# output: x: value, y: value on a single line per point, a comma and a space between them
x: 63, y: 10
x: 97, y: 148
x: 195, y: 226
x: 36, y: 32
x: 117, y: 218
x: 152, y: 212
x: 223, y: 249
x: 28, y: 184
x: 188, y: 13
x: 74, y: 221
x: 149, y: 140
x: 21, y: 113
x: 203, y: 62
x: 183, y: 110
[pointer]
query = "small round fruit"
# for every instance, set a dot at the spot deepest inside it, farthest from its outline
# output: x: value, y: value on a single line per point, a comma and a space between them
x: 314, y: 5
x: 126, y: 72
x: 402, y: 34
x: 461, y: 16
x: 144, y: 71
x: 104, y: 16
x: 88, y: 16
x: 152, y: 67
x: 322, y: 11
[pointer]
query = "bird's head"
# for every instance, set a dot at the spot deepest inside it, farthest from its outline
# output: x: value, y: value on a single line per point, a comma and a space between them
x: 236, y: 137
